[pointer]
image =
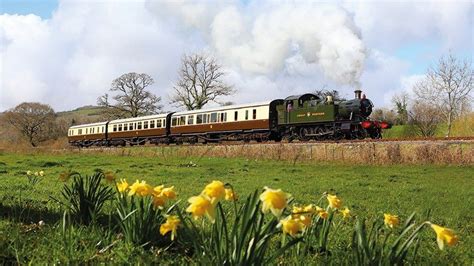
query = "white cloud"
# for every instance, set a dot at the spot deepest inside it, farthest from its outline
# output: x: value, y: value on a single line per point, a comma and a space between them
x: 270, y: 49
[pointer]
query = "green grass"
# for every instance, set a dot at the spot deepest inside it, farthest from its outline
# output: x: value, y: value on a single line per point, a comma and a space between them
x: 368, y: 191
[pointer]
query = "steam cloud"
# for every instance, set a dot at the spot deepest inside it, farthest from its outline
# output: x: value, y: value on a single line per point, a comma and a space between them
x: 276, y: 37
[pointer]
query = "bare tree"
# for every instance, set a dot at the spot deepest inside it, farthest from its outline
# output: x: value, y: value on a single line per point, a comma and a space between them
x: 131, y: 98
x: 200, y: 82
x: 447, y: 86
x: 33, y: 120
x: 384, y: 114
x: 323, y: 93
x: 424, y: 117
x: 401, y: 106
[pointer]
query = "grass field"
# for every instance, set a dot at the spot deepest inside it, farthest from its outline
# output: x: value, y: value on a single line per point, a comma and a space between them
x: 368, y: 191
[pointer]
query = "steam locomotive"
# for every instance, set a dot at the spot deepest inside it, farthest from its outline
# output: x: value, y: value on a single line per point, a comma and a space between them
x: 300, y: 117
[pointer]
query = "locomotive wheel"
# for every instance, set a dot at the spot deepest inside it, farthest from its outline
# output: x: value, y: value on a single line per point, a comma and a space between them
x: 320, y: 132
x: 303, y: 134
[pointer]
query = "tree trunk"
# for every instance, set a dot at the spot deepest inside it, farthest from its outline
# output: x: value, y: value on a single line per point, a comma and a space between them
x: 448, y: 133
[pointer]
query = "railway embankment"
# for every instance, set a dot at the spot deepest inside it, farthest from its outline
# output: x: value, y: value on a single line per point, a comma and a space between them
x: 454, y: 152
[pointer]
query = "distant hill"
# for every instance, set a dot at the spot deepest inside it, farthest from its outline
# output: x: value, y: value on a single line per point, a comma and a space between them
x: 84, y: 114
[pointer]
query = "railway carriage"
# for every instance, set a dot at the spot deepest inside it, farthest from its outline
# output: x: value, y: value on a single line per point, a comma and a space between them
x: 138, y: 130
x: 303, y: 117
x: 237, y: 122
x: 88, y: 134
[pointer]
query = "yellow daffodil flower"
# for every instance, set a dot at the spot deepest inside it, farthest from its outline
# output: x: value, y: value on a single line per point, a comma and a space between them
x: 122, y: 186
x: 291, y: 226
x: 36, y: 174
x: 215, y: 190
x: 29, y: 172
x: 169, y: 192
x: 274, y: 200
x: 159, y: 201
x: 346, y: 213
x: 109, y: 176
x: 201, y: 205
x: 323, y: 214
x: 334, y: 201
x: 158, y: 189
x: 41, y: 173
x: 230, y: 194
x: 305, y: 220
x: 391, y: 220
x: 140, y: 188
x: 444, y: 235
x: 171, y: 225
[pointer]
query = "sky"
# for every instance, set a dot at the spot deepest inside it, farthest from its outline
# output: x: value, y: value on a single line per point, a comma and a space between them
x: 66, y: 53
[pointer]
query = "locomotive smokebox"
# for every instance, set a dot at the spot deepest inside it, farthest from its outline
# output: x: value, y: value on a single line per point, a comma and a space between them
x: 357, y: 94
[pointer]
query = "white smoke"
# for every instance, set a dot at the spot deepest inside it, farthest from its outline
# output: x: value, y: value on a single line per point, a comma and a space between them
x: 268, y: 39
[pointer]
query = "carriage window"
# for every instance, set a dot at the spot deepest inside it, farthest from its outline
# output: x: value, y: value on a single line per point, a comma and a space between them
x: 164, y: 123
x: 199, y: 119
x: 236, y: 115
x: 79, y: 131
x: 173, y: 121
x: 190, y: 119
x: 103, y: 129
x: 246, y: 114
x: 158, y: 123
x: 182, y: 120
x: 130, y: 126
x: 152, y: 124
x: 254, y: 114
x: 205, y: 118
x: 145, y: 125
x: 125, y: 127
x: 120, y: 127
x: 213, y: 117
x: 139, y: 125
x: 223, y: 117
x: 115, y: 128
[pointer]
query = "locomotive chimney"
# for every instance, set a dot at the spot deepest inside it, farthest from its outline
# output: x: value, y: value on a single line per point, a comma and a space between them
x: 357, y: 94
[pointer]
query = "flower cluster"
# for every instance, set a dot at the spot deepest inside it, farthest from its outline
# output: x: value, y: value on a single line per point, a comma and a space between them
x: 205, y: 203
x: 160, y: 193
x: 302, y: 216
x: 30, y: 173
x: 444, y: 236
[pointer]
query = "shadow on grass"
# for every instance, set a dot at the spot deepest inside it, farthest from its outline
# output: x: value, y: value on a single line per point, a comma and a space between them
x: 26, y: 213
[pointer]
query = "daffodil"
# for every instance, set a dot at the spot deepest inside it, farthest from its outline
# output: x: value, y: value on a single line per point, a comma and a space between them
x: 323, y: 214
x: 169, y: 192
x: 230, y: 194
x: 346, y: 213
x: 214, y: 190
x: 158, y: 189
x: 29, y: 172
x: 41, y: 173
x: 159, y: 201
x: 109, y: 176
x: 444, y: 236
x: 291, y: 226
x: 303, y: 214
x: 391, y: 220
x: 201, y: 205
x: 36, y: 173
x: 140, y: 188
x: 171, y: 225
x: 334, y: 201
x: 274, y: 200
x: 122, y: 186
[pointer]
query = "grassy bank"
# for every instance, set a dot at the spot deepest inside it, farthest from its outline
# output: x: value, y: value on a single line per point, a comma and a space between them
x: 368, y: 191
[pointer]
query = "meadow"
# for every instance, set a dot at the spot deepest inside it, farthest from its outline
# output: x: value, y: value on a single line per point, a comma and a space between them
x: 441, y: 193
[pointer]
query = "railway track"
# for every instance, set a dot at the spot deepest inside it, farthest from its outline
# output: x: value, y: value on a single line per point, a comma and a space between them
x: 233, y: 143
